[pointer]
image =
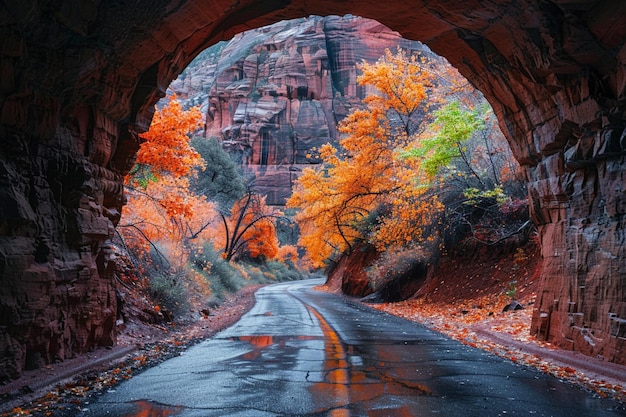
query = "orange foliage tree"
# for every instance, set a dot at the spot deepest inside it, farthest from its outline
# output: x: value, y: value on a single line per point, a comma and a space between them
x: 161, y: 208
x: 164, y: 217
x: 166, y: 149
x: 250, y: 229
x: 366, y: 175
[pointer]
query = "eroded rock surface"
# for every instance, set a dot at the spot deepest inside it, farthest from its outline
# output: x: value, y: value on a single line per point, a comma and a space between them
x: 274, y: 94
x: 79, y: 80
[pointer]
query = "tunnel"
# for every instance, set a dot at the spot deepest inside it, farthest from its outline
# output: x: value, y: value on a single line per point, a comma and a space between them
x: 79, y: 81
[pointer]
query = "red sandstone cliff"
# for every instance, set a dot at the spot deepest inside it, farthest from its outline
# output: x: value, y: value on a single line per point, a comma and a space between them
x: 273, y: 94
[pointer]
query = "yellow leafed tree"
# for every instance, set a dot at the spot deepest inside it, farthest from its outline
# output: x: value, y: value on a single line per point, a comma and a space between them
x: 365, y: 175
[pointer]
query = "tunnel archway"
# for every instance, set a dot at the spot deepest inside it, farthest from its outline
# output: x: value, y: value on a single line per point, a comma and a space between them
x: 79, y: 81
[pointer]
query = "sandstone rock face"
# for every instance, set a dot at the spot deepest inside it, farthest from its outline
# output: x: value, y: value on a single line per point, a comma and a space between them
x: 79, y: 80
x: 271, y: 95
x: 349, y: 274
x: 57, y: 292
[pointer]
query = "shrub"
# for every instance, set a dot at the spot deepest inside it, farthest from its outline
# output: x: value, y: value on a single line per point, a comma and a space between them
x: 222, y: 276
x: 169, y: 292
x: 282, y: 272
x: 392, y: 265
x: 229, y: 277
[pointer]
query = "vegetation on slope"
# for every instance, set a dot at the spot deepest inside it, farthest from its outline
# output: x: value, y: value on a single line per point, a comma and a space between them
x: 420, y: 170
x: 192, y: 230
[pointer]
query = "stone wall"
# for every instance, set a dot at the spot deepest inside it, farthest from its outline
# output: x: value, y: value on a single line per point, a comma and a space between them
x: 79, y: 80
x: 57, y: 210
x: 580, y: 212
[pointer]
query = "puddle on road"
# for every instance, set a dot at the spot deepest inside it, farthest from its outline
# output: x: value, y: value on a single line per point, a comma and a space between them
x: 347, y: 381
x: 150, y: 409
x: 266, y: 340
x: 261, y: 342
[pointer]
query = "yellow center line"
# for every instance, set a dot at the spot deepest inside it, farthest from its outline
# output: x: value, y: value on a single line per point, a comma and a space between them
x: 336, y: 365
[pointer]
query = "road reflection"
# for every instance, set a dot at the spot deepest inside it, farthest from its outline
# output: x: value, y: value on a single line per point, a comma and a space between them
x: 261, y: 342
x: 335, y: 386
x: 352, y: 379
x: 151, y: 409
x: 334, y: 359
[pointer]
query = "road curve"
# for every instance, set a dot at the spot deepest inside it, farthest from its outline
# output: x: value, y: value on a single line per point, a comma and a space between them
x: 300, y: 352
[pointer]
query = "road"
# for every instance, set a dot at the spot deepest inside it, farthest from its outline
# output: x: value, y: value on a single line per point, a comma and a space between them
x: 301, y: 352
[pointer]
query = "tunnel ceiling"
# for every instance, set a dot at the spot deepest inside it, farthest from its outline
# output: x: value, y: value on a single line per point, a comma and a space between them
x: 121, y: 58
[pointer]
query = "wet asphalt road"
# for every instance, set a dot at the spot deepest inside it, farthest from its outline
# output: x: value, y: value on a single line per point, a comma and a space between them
x: 299, y: 352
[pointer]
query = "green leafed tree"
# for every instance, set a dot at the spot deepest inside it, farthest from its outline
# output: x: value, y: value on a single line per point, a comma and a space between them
x: 221, y: 181
x: 465, y: 157
x: 445, y: 138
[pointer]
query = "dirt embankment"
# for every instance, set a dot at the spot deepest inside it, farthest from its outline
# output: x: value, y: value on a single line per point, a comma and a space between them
x: 465, y: 298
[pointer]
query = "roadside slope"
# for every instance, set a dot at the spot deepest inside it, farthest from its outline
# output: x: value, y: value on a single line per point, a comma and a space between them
x: 465, y: 299
x: 61, y: 389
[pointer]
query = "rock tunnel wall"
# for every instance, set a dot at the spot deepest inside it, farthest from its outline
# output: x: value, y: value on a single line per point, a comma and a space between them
x: 79, y: 80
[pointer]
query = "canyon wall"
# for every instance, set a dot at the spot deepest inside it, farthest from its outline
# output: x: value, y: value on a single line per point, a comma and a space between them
x: 79, y: 80
x: 274, y: 94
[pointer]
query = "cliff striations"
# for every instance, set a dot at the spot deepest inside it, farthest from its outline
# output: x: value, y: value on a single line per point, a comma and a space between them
x: 271, y: 95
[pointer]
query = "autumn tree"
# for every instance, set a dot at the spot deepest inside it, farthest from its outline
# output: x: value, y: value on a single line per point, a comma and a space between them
x: 181, y: 203
x: 160, y: 205
x: 166, y: 149
x: 162, y: 218
x: 365, y: 174
x: 250, y: 229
